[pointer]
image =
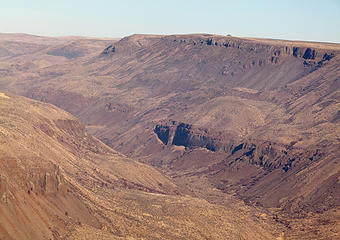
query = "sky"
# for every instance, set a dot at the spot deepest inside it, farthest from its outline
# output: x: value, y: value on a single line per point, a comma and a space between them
x: 309, y: 20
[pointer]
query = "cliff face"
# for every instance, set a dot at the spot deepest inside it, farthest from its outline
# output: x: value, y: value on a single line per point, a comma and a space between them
x: 138, y: 42
x: 181, y: 134
x: 266, y: 154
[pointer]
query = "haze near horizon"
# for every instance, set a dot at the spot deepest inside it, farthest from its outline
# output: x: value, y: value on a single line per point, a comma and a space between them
x: 291, y: 20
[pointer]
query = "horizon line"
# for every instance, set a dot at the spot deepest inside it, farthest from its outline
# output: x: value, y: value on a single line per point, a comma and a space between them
x: 173, y: 34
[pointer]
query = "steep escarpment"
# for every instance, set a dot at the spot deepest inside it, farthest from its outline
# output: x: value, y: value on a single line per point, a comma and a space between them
x: 253, y: 168
x: 269, y: 155
x: 276, y: 52
x: 254, y: 58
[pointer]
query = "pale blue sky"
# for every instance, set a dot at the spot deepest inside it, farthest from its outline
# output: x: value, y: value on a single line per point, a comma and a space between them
x: 313, y: 20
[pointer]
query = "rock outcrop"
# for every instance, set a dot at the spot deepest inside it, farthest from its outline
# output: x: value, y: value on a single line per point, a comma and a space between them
x: 182, y: 134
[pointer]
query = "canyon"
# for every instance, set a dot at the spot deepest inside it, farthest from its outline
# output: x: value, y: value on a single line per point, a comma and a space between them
x: 218, y: 120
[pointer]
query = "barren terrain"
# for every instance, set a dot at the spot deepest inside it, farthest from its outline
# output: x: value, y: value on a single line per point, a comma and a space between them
x: 225, y: 118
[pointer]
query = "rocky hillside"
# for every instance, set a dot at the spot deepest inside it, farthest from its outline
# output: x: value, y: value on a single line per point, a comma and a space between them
x: 59, y: 182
